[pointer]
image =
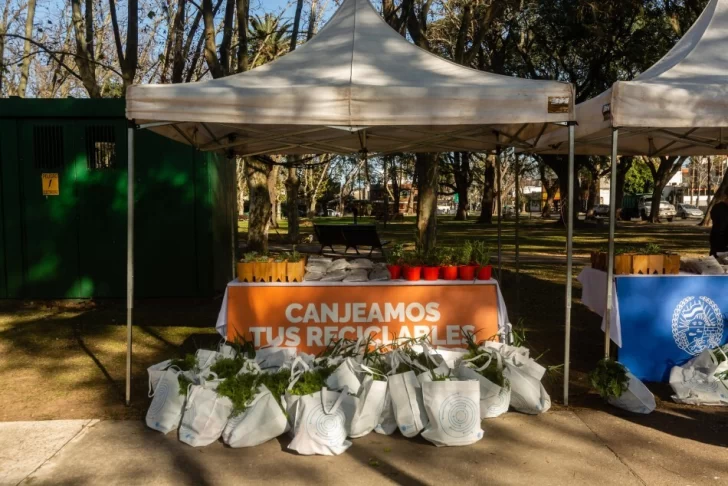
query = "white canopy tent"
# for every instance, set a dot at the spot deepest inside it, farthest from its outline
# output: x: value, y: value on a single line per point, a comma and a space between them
x: 677, y: 107
x: 356, y: 86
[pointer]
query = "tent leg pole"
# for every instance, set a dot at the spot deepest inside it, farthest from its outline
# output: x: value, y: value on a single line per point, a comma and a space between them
x: 612, y: 228
x: 518, y: 222
x: 234, y: 219
x: 129, y: 260
x: 569, y: 265
x: 499, y: 209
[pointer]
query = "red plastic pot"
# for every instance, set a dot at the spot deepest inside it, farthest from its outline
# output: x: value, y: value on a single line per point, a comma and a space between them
x: 485, y: 273
x: 412, y: 274
x: 467, y: 272
x: 395, y: 271
x: 450, y: 272
x: 431, y: 273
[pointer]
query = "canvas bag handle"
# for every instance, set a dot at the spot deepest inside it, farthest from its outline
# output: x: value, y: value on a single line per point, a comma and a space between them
x: 337, y: 403
x: 372, y: 371
x: 499, y: 360
x: 296, y: 373
x: 151, y: 392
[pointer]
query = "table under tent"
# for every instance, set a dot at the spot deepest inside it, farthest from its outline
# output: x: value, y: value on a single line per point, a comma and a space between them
x: 357, y: 86
x: 678, y: 107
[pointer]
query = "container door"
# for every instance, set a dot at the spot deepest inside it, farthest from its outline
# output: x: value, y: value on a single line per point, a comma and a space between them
x: 49, y: 211
x: 101, y: 181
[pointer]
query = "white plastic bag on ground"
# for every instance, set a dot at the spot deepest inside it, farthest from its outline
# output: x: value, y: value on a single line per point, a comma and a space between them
x: 527, y: 393
x: 494, y: 399
x: 697, y: 382
x: 274, y: 357
x: 453, y: 410
x: 637, y: 398
x: 344, y: 376
x: 205, y: 415
x: 357, y: 275
x: 321, y: 423
x: 409, y: 409
x: 372, y: 398
x: 692, y: 387
x: 363, y: 263
x: 165, y: 411
x: 263, y: 420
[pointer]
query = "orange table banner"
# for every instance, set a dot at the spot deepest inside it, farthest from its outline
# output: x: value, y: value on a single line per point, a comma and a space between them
x: 310, y: 315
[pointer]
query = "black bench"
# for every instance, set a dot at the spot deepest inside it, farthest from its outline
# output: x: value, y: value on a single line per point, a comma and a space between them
x: 350, y: 236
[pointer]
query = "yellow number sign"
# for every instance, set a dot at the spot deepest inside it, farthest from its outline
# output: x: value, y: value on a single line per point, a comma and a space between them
x: 50, y: 185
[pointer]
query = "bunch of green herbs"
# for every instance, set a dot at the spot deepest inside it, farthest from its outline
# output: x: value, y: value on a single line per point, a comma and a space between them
x: 609, y: 378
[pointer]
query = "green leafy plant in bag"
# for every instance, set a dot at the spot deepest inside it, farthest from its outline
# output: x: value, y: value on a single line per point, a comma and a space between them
x: 241, y: 390
x: 609, y: 378
x: 227, y: 367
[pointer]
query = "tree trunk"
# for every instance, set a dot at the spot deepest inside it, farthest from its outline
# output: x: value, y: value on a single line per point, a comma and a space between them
x: 462, y: 183
x: 25, y: 66
x: 720, y: 195
x: 486, y: 210
x: 411, y: 198
x: 594, y: 197
x: 178, y: 54
x: 257, y: 174
x: 427, y: 168
x: 293, y: 184
x: 395, y: 187
x: 668, y: 167
x: 311, y: 207
x: 84, y: 56
x: 273, y: 194
x: 625, y: 164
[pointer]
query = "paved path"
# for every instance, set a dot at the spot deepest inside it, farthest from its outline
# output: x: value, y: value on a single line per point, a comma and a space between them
x: 558, y: 448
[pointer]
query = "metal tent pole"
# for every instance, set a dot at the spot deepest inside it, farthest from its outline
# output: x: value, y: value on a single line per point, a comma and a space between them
x: 234, y: 218
x: 499, y: 209
x: 569, y: 264
x: 612, y: 227
x: 518, y: 221
x: 129, y: 259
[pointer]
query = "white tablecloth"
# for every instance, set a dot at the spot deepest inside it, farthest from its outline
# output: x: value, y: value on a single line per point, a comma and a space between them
x: 504, y: 325
x: 594, y: 296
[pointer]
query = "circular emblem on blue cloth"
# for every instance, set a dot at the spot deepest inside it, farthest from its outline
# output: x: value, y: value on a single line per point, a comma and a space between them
x: 697, y: 325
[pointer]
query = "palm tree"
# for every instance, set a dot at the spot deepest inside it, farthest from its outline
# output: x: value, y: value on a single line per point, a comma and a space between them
x: 269, y: 39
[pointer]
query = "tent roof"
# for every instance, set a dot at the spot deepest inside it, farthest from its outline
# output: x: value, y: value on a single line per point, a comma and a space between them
x: 677, y: 107
x: 356, y: 73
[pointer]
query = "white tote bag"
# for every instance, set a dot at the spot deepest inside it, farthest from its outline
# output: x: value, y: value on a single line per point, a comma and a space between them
x: 409, y: 409
x: 494, y: 399
x: 205, y: 415
x: 263, y: 420
x: 637, y: 398
x: 344, y: 376
x: 155, y: 372
x: 205, y: 360
x: 165, y: 411
x: 274, y: 357
x: 370, y: 404
x: 527, y: 393
x: 321, y: 423
x: 453, y: 409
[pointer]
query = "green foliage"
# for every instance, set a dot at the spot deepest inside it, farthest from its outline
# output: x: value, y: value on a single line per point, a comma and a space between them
x: 275, y: 382
x: 312, y: 381
x: 651, y: 249
x: 188, y: 363
x: 445, y: 256
x: 184, y: 384
x: 250, y: 257
x: 240, y: 389
x: 413, y: 258
x: 292, y: 257
x: 491, y: 372
x: 227, y: 367
x: 280, y: 258
x: 262, y: 258
x: 463, y: 254
x: 395, y: 254
x: 432, y: 258
x: 639, y: 178
x: 481, y: 253
x: 609, y: 378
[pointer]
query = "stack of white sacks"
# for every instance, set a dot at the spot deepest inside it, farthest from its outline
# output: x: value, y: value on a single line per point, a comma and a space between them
x: 703, y: 380
x: 443, y: 399
x: 321, y: 269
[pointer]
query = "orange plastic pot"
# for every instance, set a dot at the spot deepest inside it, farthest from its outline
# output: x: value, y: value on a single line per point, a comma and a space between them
x: 395, y: 271
x: 412, y: 274
x: 431, y: 273
x: 485, y: 273
x: 450, y: 272
x: 467, y: 272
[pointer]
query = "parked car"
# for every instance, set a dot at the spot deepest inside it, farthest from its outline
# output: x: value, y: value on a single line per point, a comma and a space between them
x: 601, y: 210
x: 667, y: 210
x: 686, y: 211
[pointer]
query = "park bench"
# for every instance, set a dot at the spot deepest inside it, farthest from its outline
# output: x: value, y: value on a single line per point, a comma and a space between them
x: 349, y: 236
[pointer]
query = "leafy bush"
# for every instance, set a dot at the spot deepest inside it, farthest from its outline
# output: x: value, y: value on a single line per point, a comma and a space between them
x: 395, y: 254
x: 227, y: 367
x: 481, y: 253
x: 464, y: 253
x: 240, y: 389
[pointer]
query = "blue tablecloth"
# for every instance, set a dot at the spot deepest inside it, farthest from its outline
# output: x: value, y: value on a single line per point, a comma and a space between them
x: 667, y: 320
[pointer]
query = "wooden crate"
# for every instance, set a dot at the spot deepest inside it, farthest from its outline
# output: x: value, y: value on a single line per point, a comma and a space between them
x: 648, y: 264
x: 623, y: 264
x: 245, y: 272
x: 263, y: 271
x: 278, y: 272
x: 672, y: 264
x: 295, y: 271
x: 633, y: 264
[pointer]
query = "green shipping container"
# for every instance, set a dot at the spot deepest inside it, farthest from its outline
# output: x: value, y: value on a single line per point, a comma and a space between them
x: 63, y: 206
